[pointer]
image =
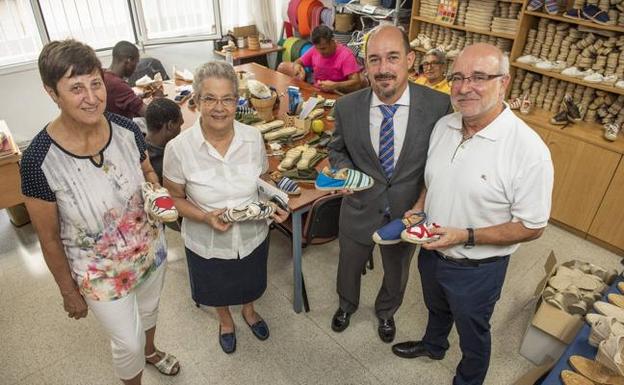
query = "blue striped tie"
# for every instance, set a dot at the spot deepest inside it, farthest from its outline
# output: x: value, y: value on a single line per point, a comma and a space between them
x: 386, y: 139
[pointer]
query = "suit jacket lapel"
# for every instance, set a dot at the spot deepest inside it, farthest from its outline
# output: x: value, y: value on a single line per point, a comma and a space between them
x: 364, y: 123
x: 415, y: 111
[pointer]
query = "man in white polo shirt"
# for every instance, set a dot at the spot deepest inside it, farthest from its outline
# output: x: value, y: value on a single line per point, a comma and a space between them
x: 489, y: 181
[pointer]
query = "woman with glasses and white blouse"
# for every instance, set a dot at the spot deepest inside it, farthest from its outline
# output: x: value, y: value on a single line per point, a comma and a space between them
x: 210, y: 167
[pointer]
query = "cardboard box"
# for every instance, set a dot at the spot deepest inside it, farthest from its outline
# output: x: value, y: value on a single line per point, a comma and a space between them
x: 550, y: 329
x: 533, y: 375
x: 248, y: 30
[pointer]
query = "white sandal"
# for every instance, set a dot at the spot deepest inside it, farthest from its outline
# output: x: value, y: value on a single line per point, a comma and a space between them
x: 166, y: 365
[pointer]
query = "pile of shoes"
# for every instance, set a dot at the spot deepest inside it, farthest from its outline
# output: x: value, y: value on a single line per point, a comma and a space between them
x: 506, y: 18
x: 302, y: 157
x: 576, y: 286
x: 246, y: 115
x: 453, y: 41
x: 603, y: 12
x: 559, y: 47
x: 548, y: 93
x: 429, y: 8
x: 479, y: 14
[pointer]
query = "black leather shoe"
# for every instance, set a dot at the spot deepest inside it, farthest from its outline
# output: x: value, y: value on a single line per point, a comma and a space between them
x: 340, y: 321
x: 260, y: 329
x: 413, y: 349
x: 386, y: 330
x: 227, y: 341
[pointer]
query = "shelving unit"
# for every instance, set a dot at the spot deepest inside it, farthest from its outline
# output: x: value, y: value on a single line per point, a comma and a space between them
x: 588, y: 196
x: 464, y: 28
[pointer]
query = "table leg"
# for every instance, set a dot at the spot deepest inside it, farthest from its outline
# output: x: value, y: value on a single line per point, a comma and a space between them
x: 296, y: 253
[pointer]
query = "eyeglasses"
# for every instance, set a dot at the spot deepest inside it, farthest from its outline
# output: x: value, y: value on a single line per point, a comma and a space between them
x: 430, y: 64
x: 210, y: 101
x: 476, y: 79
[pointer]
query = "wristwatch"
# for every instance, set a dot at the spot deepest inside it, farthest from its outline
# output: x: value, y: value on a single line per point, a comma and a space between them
x: 470, y: 243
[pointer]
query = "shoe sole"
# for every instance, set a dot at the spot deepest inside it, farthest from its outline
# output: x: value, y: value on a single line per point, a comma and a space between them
x: 377, y: 239
x: 340, y: 188
x: 416, y: 241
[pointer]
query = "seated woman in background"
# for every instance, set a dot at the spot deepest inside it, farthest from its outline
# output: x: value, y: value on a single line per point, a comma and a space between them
x: 434, y: 72
x: 212, y: 166
x: 82, y: 177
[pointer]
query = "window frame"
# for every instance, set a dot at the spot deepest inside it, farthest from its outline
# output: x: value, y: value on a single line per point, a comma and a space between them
x: 139, y: 30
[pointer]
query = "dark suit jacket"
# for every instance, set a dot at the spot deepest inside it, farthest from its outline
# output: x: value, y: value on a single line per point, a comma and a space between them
x: 362, y: 212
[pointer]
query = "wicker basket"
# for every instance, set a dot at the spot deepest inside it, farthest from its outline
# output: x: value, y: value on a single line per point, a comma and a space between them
x: 264, y: 106
x: 253, y: 43
x: 344, y: 22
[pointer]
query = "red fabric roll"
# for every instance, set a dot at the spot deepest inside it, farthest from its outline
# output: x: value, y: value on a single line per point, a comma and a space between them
x: 292, y: 12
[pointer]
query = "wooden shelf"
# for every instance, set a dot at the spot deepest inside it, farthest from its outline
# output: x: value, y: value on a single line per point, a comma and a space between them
x: 587, y: 132
x: 557, y: 75
x: 586, y: 23
x: 464, y: 28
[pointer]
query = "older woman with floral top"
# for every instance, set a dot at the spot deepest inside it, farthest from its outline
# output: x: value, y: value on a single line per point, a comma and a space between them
x: 82, y: 177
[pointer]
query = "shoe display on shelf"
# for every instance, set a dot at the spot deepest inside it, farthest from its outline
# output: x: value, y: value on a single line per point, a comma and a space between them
x: 535, y: 5
x: 552, y: 7
x: 595, y: 14
x: 525, y: 107
x: 560, y: 119
x: 573, y: 112
x: 158, y: 204
x: 528, y: 59
x: 611, y: 131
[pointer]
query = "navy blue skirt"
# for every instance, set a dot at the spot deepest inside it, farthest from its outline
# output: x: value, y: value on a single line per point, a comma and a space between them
x: 225, y: 282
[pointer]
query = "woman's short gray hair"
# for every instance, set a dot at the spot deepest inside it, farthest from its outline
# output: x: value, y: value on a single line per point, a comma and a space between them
x: 214, y: 69
x: 439, y: 55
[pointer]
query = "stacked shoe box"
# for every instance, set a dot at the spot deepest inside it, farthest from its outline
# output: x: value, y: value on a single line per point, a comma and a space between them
x: 564, y: 296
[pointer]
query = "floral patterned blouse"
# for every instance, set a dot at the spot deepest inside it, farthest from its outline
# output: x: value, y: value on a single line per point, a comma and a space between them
x: 110, y: 245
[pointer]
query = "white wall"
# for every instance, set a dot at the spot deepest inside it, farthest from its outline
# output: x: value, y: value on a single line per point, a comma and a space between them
x: 27, y: 108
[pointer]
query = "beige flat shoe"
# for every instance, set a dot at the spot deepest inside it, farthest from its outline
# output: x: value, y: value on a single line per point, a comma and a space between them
x: 280, y: 133
x: 569, y: 377
x: 306, y: 157
x: 610, y: 354
x: 291, y: 157
x: 616, y: 299
x: 595, y: 371
x: 610, y: 310
x: 602, y: 327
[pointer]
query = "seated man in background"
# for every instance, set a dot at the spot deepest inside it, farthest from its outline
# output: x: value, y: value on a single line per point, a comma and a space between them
x: 433, y: 73
x: 333, y: 65
x: 164, y: 121
x: 121, y: 99
x: 148, y: 66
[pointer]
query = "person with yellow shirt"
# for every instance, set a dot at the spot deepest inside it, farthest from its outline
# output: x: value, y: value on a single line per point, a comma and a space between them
x: 434, y: 72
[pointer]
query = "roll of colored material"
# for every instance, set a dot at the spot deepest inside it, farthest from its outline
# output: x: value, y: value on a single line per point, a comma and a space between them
x: 327, y: 17
x: 305, y: 48
x: 279, y: 53
x: 304, y: 14
x: 286, y: 56
x: 292, y: 12
x: 295, y: 51
x: 316, y: 16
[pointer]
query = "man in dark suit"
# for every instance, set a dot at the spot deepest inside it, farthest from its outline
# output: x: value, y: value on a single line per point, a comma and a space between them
x: 382, y: 131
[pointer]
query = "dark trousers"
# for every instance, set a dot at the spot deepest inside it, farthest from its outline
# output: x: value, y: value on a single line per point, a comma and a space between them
x: 396, y: 261
x: 465, y: 295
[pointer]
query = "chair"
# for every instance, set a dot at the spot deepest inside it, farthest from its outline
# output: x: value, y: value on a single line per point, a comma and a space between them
x: 320, y: 226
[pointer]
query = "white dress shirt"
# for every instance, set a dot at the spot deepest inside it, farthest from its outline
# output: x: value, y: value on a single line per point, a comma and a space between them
x: 503, y: 173
x: 214, y: 182
x: 399, y: 121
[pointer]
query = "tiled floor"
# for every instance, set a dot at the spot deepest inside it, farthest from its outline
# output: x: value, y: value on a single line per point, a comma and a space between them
x: 40, y: 345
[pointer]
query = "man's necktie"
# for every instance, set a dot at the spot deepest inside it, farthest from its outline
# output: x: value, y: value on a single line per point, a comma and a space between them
x: 386, y: 139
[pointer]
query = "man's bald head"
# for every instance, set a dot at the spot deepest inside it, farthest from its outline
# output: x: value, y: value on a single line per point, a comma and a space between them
x: 485, y: 50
